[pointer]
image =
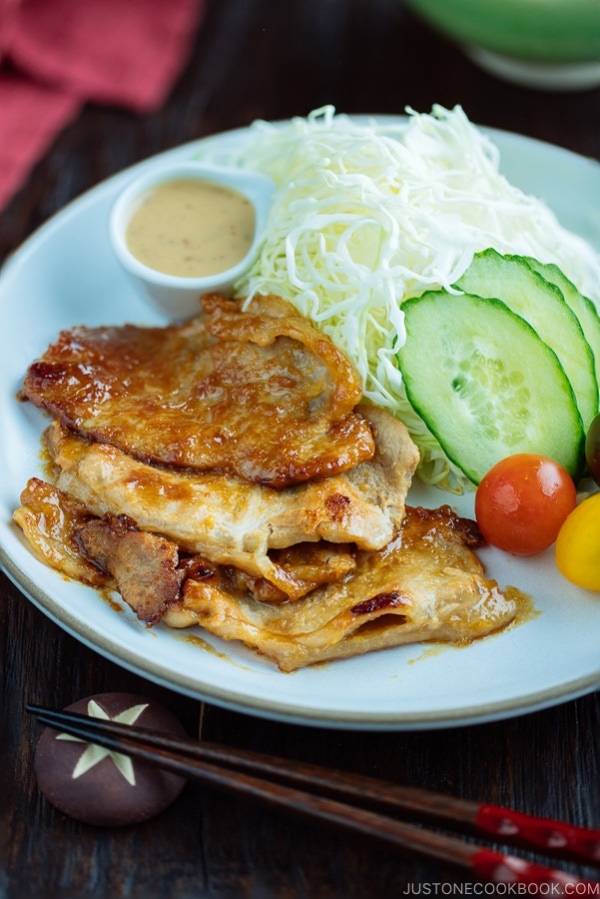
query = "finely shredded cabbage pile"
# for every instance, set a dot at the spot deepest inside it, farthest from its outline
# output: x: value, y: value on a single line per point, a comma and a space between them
x: 368, y: 214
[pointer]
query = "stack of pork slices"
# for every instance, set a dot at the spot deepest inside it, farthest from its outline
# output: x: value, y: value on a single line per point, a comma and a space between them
x: 226, y: 473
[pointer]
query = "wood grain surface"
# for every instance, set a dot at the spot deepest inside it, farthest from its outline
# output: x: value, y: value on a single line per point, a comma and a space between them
x: 268, y: 59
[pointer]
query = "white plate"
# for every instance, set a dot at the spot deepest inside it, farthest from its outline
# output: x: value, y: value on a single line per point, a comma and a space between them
x: 65, y: 274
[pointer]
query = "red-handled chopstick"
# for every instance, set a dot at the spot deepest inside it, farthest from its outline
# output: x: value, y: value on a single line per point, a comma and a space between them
x: 566, y: 840
x: 326, y: 795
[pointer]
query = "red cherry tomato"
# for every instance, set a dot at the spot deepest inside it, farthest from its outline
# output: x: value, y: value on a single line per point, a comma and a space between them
x: 522, y: 502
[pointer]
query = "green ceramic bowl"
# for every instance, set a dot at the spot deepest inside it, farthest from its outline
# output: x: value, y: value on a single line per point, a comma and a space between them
x: 543, y: 43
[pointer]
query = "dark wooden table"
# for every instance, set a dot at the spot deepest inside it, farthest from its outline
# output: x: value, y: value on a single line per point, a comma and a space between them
x: 269, y: 59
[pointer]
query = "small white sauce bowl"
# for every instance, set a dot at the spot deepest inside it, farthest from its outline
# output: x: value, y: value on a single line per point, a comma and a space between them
x: 175, y: 296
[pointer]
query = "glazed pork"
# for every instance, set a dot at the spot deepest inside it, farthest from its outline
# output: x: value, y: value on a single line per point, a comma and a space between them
x: 236, y: 523
x: 259, y: 394
x: 428, y: 584
x: 51, y: 520
x: 226, y: 473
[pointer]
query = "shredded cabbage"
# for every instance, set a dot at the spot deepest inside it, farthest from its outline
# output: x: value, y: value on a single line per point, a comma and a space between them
x: 368, y: 214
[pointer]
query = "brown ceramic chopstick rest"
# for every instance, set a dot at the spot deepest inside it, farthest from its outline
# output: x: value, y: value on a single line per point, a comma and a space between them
x: 97, y: 786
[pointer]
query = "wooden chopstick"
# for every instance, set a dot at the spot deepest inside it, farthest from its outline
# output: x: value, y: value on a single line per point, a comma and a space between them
x: 568, y: 840
x: 236, y: 771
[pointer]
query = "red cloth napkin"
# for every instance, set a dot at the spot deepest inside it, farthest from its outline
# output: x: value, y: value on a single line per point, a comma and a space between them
x: 56, y: 55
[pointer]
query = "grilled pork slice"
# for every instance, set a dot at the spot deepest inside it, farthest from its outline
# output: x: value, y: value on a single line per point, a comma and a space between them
x: 427, y: 585
x: 309, y: 564
x: 260, y: 394
x: 145, y: 566
x: 51, y: 520
x: 235, y: 523
x: 106, y: 553
x: 147, y: 569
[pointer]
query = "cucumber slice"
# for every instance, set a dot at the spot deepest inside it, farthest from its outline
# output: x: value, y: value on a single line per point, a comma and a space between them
x: 581, y: 305
x: 485, y: 384
x: 511, y: 280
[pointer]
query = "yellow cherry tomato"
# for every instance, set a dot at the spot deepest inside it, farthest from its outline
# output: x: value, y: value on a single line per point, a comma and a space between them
x: 577, y: 549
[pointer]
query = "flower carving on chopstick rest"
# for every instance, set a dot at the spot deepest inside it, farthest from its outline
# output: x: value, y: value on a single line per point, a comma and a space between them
x: 105, y: 786
x: 94, y: 754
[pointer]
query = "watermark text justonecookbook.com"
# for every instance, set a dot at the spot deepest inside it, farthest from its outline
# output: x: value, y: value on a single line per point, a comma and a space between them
x: 440, y: 888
